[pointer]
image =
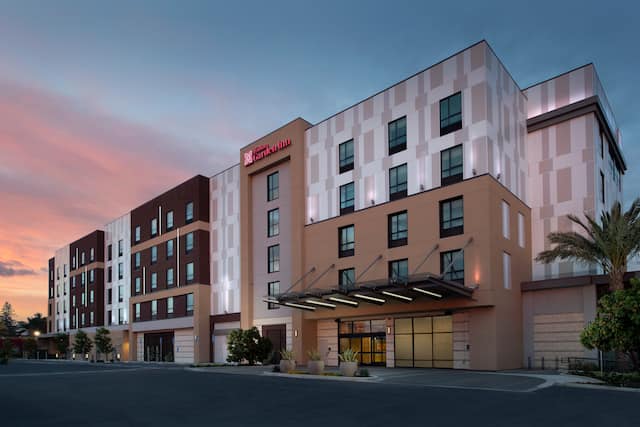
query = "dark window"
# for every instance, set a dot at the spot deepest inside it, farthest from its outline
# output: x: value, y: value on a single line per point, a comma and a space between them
x: 347, y: 198
x: 120, y: 247
x: 398, y: 229
x: 169, y: 220
x: 137, y: 234
x: 169, y: 277
x: 154, y: 280
x: 169, y: 248
x: 188, y: 247
x: 154, y: 227
x: 109, y: 317
x: 398, y: 135
x: 451, y: 165
x: 120, y: 271
x: 347, y: 278
x: 454, y: 262
x: 138, y: 285
x: 154, y: 254
x: 346, y: 156
x: 109, y: 274
x: 273, y: 258
x: 109, y: 252
x: 346, y: 241
x: 451, y: 114
x: 601, y: 187
x: 190, y: 272
x: 273, y: 186
x: 273, y: 291
x: 136, y: 260
x: 399, y: 270
x: 189, y: 304
x: 273, y: 222
x: 451, y: 217
x: 189, y: 212
x: 120, y: 293
x: 398, y: 182
x: 109, y: 296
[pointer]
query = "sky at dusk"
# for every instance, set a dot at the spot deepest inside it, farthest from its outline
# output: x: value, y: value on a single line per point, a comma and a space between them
x: 104, y: 105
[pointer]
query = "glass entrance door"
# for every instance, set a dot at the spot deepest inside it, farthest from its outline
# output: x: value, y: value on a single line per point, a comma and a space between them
x: 368, y: 338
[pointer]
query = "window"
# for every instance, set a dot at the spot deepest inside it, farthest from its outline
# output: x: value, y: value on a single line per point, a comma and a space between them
x: 169, y: 277
x: 189, y: 272
x: 169, y: 248
x: 154, y: 280
x: 120, y: 316
x: 505, y: 220
x: 109, y: 252
x: 273, y: 186
x: 73, y: 282
x: 506, y: 270
x: 346, y: 278
x: 83, y: 278
x: 120, y: 271
x: 189, y: 303
x: 451, y: 165
x: 138, y: 285
x: 345, y: 154
x: 91, y: 317
x: 397, y: 229
x: 137, y: 311
x: 92, y: 255
x: 451, y: 114
x: 82, y: 259
x: 109, y: 317
x: 189, y: 212
x: 273, y: 258
x: 154, y: 227
x: 188, y: 247
x: 169, y: 220
x: 346, y: 241
x: 170, y: 306
x: 120, y: 293
x: 273, y: 226
x: 109, y: 296
x: 521, y: 238
x: 84, y: 302
x: 347, y: 198
x: 82, y: 319
x: 91, y: 296
x: 398, y: 135
x: 154, y: 309
x: 137, y: 234
x: 398, y: 182
x: 73, y: 265
x: 154, y: 254
x: 601, y: 187
x: 136, y: 260
x: 92, y: 276
x: 273, y: 291
x: 109, y: 274
x: 452, y: 265
x: 73, y: 300
x: 451, y: 217
x: 64, y: 270
x: 399, y: 270
x: 120, y: 247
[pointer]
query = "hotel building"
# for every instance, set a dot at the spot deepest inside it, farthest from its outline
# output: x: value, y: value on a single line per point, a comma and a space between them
x: 405, y: 226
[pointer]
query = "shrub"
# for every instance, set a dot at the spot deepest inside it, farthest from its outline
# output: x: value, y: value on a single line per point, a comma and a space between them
x: 314, y: 355
x: 363, y: 372
x: 349, y: 355
x: 248, y: 345
x: 287, y: 354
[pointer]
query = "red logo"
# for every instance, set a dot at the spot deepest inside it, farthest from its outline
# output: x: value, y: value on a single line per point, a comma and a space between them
x: 262, y: 151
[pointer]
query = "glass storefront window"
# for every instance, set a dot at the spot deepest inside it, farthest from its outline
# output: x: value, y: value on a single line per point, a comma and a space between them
x: 362, y: 327
x: 424, y: 342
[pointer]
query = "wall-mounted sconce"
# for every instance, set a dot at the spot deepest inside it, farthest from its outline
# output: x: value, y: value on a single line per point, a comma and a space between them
x: 373, y: 202
x: 311, y: 219
x: 421, y: 187
x: 388, y: 330
x: 474, y: 172
x: 498, y: 176
x: 295, y: 332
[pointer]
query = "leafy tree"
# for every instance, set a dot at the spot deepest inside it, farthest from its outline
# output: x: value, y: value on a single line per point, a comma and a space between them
x: 103, y: 341
x: 248, y: 345
x: 30, y: 346
x: 82, y: 344
x: 609, y: 243
x: 61, y: 341
x: 37, y: 323
x: 6, y: 351
x: 3, y: 330
x: 6, y: 317
x: 617, y: 324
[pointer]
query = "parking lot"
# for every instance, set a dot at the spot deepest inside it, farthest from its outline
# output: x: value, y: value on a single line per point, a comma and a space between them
x: 66, y: 393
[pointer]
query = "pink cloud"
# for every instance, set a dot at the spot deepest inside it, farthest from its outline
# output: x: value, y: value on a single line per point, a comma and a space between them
x: 66, y: 170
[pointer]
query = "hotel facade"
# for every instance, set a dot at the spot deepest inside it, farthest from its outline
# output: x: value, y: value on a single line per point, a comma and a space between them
x: 405, y: 227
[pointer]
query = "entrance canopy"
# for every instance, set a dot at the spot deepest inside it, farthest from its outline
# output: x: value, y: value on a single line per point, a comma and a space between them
x: 379, y: 292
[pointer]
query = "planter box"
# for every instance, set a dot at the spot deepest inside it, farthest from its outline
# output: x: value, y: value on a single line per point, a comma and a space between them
x: 316, y: 367
x: 287, y: 365
x: 348, y: 369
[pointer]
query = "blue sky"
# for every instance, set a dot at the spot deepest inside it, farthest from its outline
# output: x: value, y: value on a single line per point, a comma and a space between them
x: 182, y: 85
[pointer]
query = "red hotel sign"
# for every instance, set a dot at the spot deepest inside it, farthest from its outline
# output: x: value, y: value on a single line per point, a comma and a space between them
x: 262, y: 151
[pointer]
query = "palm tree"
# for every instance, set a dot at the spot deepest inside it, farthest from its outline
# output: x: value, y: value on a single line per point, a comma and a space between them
x: 609, y: 243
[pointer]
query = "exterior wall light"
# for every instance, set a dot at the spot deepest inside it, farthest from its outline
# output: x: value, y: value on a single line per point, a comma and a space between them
x: 373, y: 202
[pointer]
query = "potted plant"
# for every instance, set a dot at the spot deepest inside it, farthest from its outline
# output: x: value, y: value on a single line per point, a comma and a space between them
x: 287, y: 361
x: 316, y: 364
x: 348, y: 362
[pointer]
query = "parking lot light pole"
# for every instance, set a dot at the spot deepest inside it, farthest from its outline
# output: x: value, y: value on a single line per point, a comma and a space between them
x: 37, y: 334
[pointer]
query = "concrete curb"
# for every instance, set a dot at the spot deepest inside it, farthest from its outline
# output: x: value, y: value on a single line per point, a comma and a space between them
x: 324, y: 377
x: 597, y: 386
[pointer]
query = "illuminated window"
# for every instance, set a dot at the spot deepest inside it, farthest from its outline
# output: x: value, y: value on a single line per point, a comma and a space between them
x: 398, y: 135
x: 345, y: 151
x: 450, y: 114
